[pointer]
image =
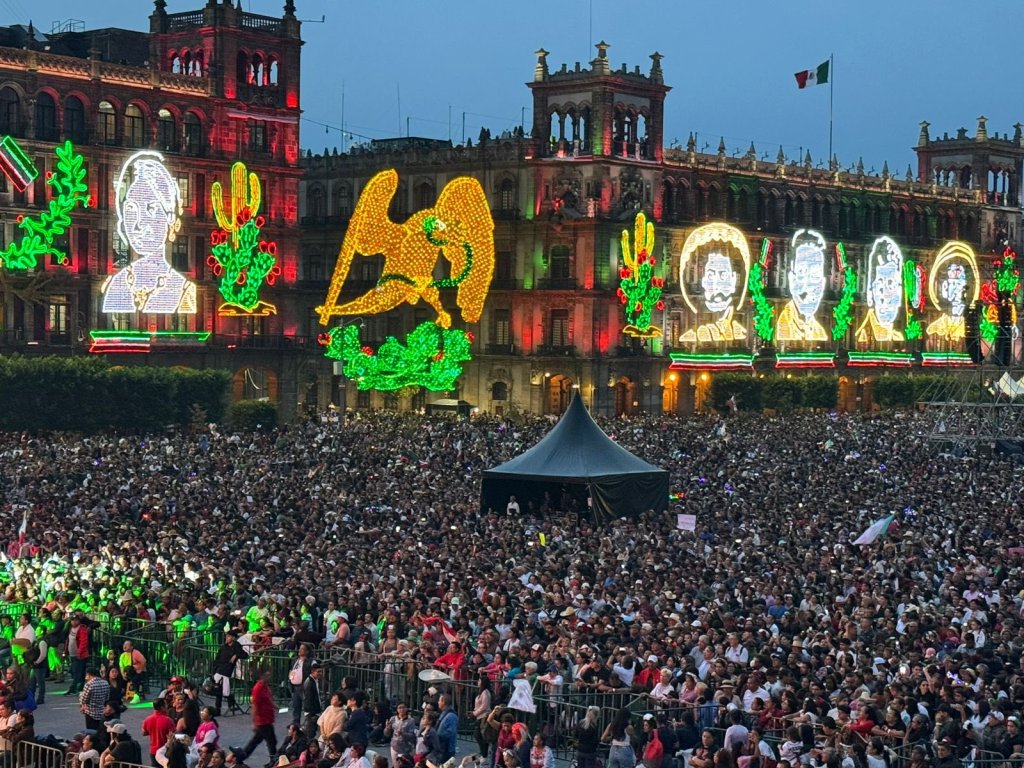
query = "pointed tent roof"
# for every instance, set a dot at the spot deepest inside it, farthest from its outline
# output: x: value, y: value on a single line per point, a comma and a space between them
x: 575, y: 449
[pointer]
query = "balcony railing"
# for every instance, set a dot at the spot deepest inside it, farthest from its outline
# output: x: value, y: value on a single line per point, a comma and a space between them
x: 501, y: 349
x: 557, y: 350
x: 558, y: 284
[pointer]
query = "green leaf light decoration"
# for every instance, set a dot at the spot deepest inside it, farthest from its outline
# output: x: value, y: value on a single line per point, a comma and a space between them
x: 842, y: 313
x: 764, y: 312
x: 639, y: 288
x: 913, y: 298
x: 432, y: 357
x: 69, y: 191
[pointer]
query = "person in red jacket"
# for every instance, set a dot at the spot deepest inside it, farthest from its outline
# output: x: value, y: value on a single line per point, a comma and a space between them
x: 157, y: 726
x: 263, y: 713
x: 77, y: 649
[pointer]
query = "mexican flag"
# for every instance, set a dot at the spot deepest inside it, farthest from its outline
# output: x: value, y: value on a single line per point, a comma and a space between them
x: 816, y: 76
x: 875, y: 531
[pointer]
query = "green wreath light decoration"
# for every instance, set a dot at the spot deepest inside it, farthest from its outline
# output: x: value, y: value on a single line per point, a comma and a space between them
x: 842, y: 313
x: 764, y: 312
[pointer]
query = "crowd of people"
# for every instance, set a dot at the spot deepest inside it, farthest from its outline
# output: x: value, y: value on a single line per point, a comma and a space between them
x: 764, y: 637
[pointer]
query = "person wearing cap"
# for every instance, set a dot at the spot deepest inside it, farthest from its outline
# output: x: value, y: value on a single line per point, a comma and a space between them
x: 648, y: 677
x: 228, y: 655
x: 944, y: 757
x: 122, y: 748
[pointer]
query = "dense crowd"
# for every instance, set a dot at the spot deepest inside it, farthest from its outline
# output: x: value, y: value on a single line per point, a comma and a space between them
x: 764, y: 636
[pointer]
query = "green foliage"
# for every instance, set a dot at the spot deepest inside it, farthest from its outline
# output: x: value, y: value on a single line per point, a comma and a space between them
x: 904, y: 390
x: 819, y: 391
x: 782, y: 394
x: 431, y: 357
x: 746, y: 388
x: 248, y: 415
x: 69, y: 190
x: 86, y: 394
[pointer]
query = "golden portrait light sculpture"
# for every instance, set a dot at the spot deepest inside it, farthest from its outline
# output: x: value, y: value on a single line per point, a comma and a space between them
x: 720, y: 249
x: 885, y: 293
x: 459, y: 227
x: 953, y: 285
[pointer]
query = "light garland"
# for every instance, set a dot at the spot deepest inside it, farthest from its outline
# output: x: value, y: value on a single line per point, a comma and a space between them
x: 70, y: 191
x: 16, y: 165
x: 639, y: 288
x: 238, y: 256
x: 805, y: 360
x: 685, y: 361
x: 149, y: 212
x: 913, y: 298
x: 885, y: 359
x: 120, y: 342
x: 459, y: 225
x: 430, y: 358
x: 945, y: 359
x: 764, y: 312
x: 842, y: 314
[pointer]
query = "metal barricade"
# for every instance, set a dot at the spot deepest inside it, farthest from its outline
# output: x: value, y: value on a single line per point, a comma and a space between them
x: 28, y: 754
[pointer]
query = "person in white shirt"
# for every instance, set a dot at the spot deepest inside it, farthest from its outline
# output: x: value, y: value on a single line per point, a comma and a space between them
x: 754, y: 691
x: 664, y: 690
x: 735, y: 652
x: 25, y: 630
x: 513, y: 506
x: 624, y: 668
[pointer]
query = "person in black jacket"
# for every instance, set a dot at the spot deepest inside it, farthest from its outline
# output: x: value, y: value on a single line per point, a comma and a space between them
x: 312, y: 704
x: 357, y: 725
x: 228, y: 656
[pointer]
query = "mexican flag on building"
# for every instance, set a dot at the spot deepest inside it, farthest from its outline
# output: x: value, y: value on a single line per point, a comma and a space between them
x: 816, y: 76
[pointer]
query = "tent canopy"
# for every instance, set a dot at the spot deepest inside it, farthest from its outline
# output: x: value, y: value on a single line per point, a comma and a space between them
x: 577, y: 452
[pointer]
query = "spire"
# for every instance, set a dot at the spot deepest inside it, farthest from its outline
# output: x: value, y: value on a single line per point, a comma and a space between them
x: 910, y: 173
x: 808, y: 163
x: 289, y: 9
x: 982, y: 133
x: 885, y: 170
x: 751, y: 152
x: 657, y: 76
x: 922, y: 138
x: 721, y: 146
x: 160, y: 6
x: 860, y: 166
x: 691, y: 143
x: 780, y: 158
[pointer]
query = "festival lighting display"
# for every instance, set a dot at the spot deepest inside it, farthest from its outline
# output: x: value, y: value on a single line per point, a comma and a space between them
x: 953, y: 285
x: 764, y: 312
x: 16, y: 165
x: 432, y: 357
x: 109, y: 342
x: 1004, y: 286
x: 69, y: 191
x: 842, y: 313
x: 684, y: 361
x: 720, y: 249
x: 806, y: 278
x: 805, y: 360
x: 880, y: 359
x: 913, y: 298
x: 639, y: 288
x: 242, y: 260
x: 885, y: 292
x: 148, y: 218
x: 945, y: 359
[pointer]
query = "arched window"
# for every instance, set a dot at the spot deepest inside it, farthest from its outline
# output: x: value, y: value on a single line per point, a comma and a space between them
x: 194, y: 141
x: 46, y: 117
x: 272, y: 72
x: 186, y: 62
x: 106, y: 126
x: 256, y: 71
x: 315, y: 202
x: 424, y: 195
x: 74, y: 119
x: 197, y: 64
x: 175, y: 62
x: 167, y: 131
x: 10, y: 111
x: 134, y: 126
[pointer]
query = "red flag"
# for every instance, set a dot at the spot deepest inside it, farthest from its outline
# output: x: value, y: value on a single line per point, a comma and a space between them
x: 446, y: 629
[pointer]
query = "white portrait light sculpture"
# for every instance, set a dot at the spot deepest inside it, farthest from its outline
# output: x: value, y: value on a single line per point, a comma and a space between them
x: 148, y: 217
x: 953, y: 285
x: 806, y: 275
x: 720, y: 249
x: 885, y: 292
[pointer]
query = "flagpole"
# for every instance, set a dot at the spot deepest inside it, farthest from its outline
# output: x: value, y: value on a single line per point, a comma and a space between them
x: 831, y: 87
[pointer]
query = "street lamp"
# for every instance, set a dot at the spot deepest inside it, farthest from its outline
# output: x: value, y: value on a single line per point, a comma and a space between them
x: 339, y: 366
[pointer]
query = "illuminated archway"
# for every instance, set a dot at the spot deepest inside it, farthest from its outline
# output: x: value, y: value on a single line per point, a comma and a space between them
x: 254, y: 383
x: 559, y: 393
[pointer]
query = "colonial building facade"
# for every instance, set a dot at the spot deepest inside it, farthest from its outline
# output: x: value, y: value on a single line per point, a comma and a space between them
x: 198, y: 92
x: 563, y: 191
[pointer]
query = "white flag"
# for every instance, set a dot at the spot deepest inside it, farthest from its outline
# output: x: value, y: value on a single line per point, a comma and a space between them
x: 875, y: 531
x: 522, y: 696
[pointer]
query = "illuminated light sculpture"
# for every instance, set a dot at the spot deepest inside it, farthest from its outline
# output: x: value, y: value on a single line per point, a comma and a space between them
x: 945, y: 359
x: 110, y: 342
x: 69, y: 191
x: 805, y: 360
x: 883, y: 359
x: 806, y: 276
x: 639, y: 288
x: 685, y: 361
x: 459, y: 226
x: 953, y: 285
x: 764, y: 312
x: 842, y: 313
x: 914, y: 280
x: 16, y: 165
x: 238, y: 256
x: 432, y: 357
x: 148, y: 218
x: 885, y: 292
x: 721, y: 247
x: 1004, y: 285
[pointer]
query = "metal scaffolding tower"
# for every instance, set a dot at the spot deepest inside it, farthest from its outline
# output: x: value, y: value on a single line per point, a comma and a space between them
x: 977, y: 408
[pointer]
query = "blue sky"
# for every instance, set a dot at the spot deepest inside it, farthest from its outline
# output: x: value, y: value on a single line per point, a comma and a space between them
x: 730, y: 65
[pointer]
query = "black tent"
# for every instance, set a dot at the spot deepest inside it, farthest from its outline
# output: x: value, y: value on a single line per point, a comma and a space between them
x: 576, y: 452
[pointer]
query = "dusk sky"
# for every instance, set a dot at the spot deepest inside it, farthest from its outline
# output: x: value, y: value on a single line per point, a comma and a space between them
x: 730, y: 65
